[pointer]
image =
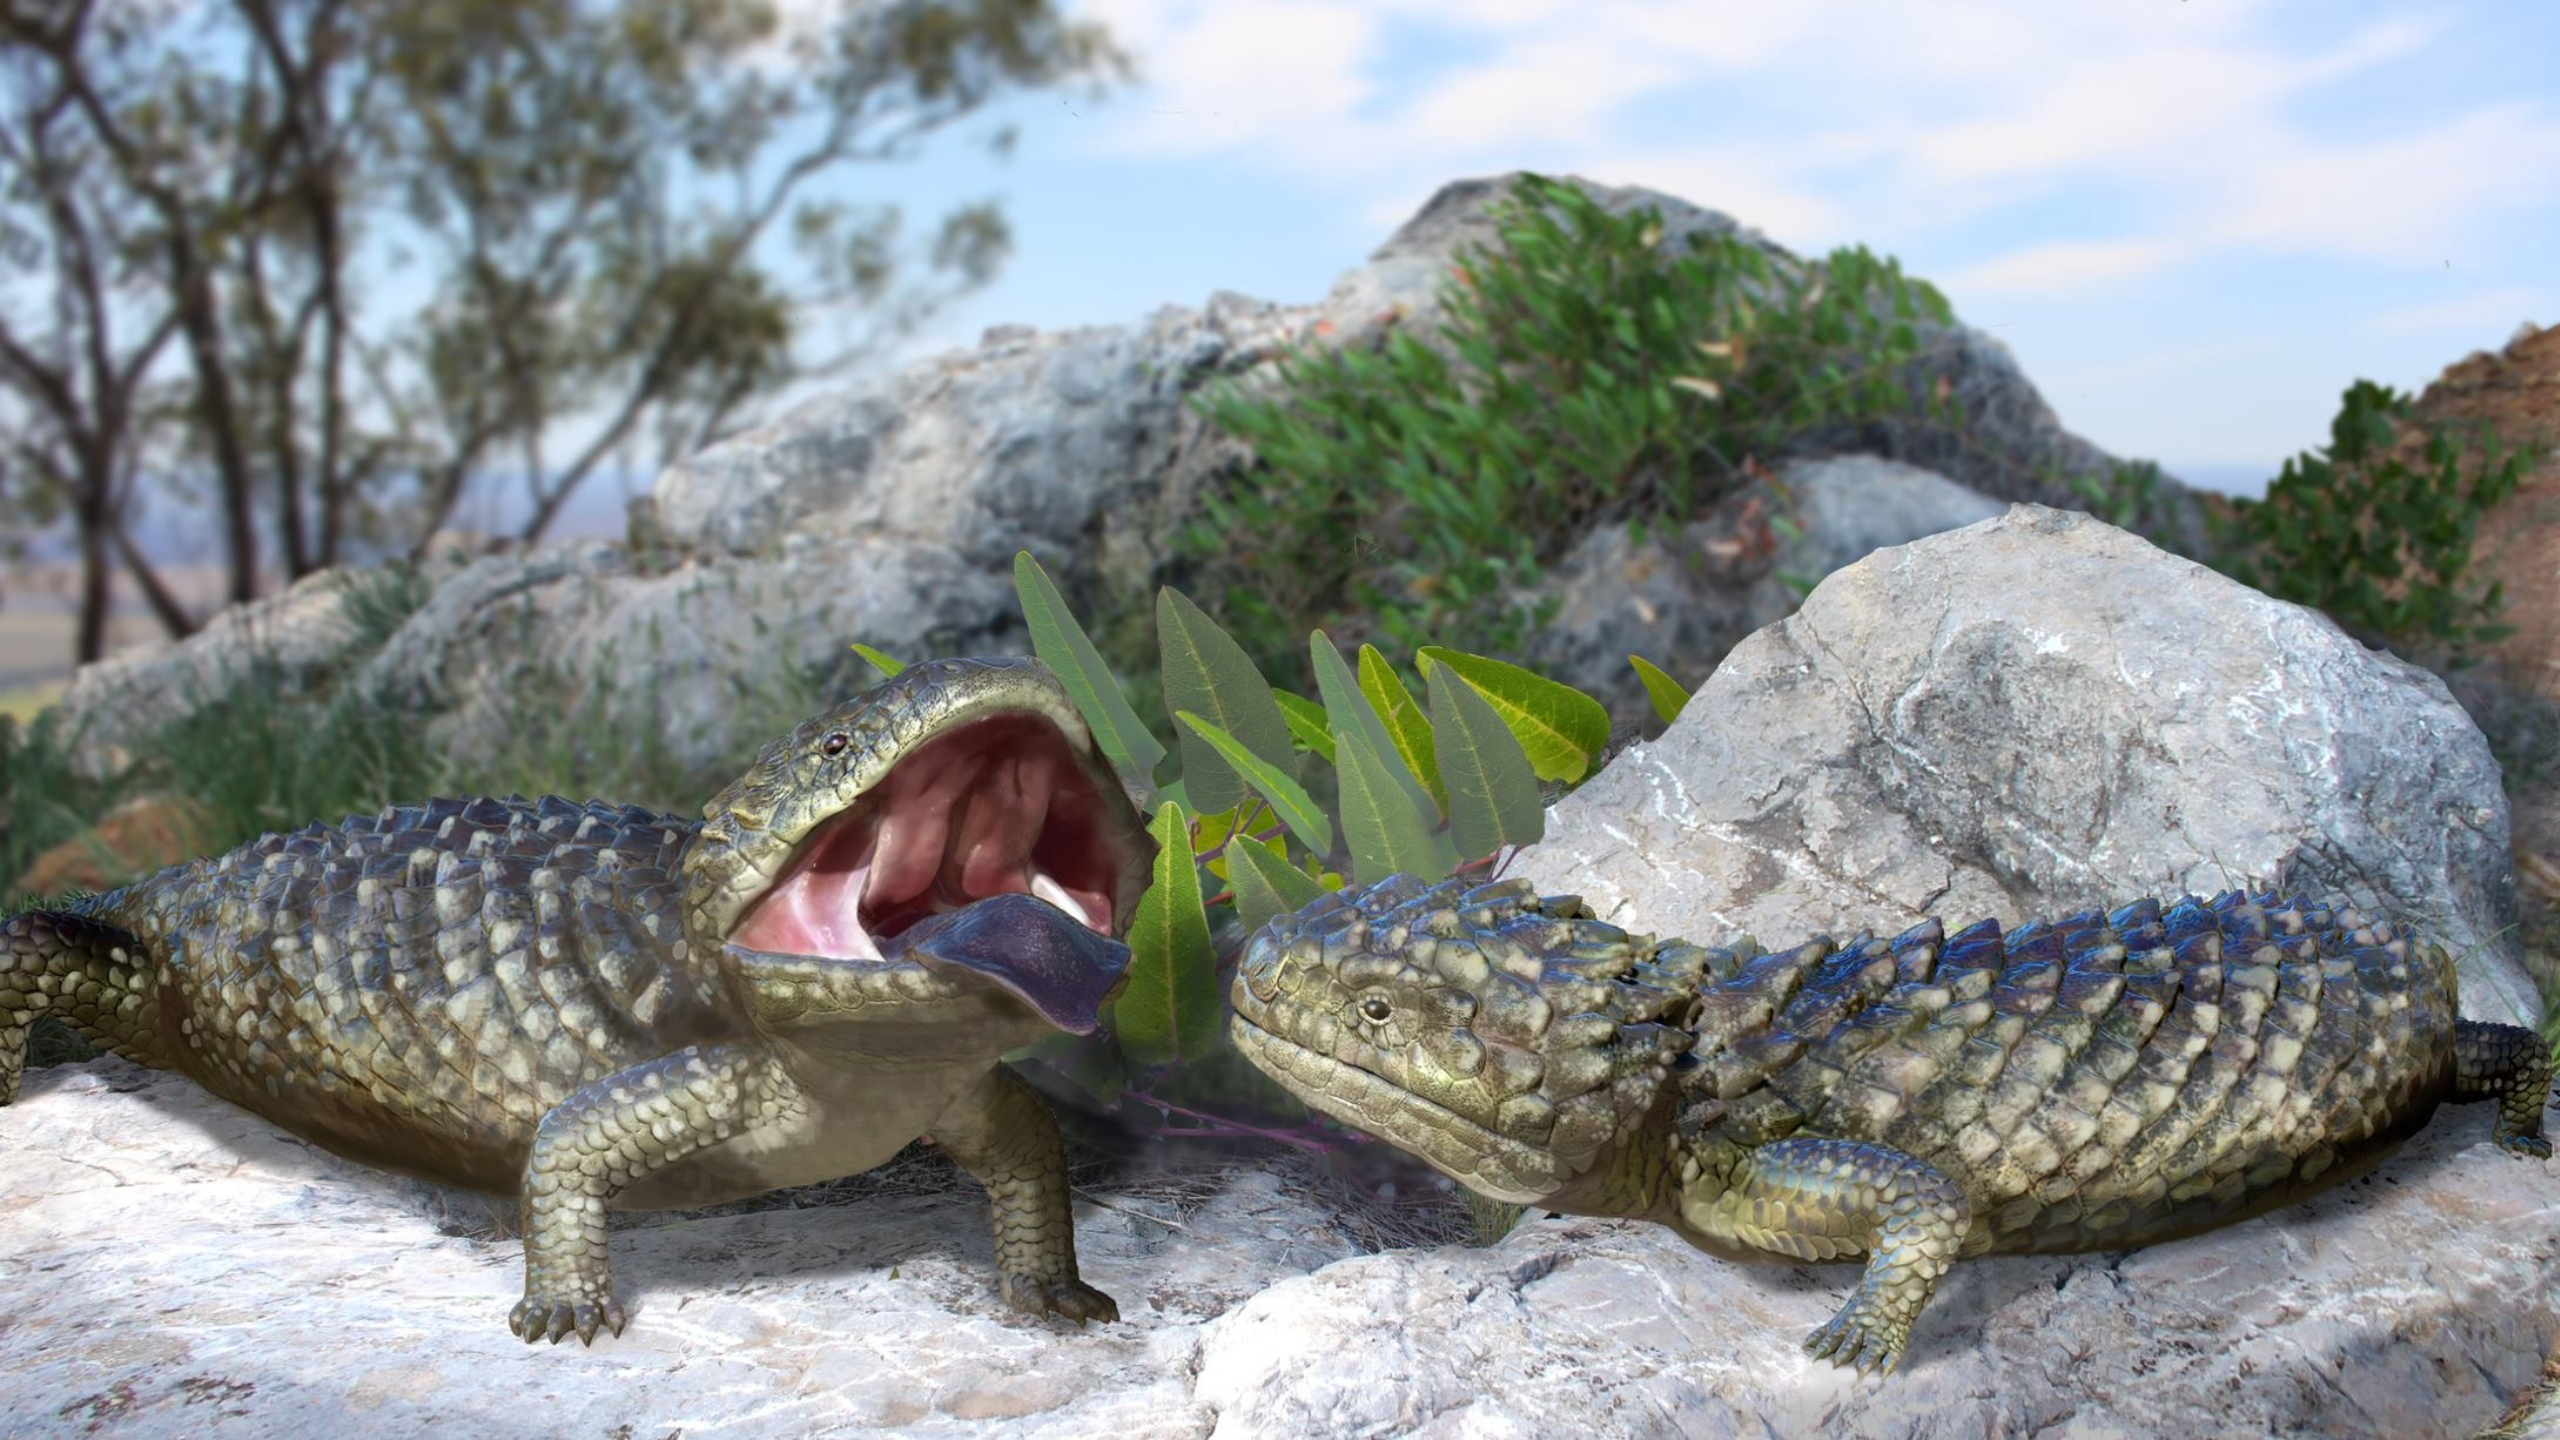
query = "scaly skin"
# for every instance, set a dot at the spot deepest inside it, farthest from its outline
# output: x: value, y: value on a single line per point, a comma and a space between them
x: 2098, y: 1082
x: 546, y: 998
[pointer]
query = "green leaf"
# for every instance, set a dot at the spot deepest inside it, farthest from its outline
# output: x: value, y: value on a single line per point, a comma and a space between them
x: 1207, y: 673
x: 1563, y: 729
x: 887, y: 667
x: 1345, y: 708
x: 1288, y: 799
x: 1063, y: 646
x: 1407, y: 726
x: 1388, y: 831
x: 1266, y: 885
x: 1170, y: 1010
x: 1667, y: 696
x: 1306, y: 723
x: 1493, y: 792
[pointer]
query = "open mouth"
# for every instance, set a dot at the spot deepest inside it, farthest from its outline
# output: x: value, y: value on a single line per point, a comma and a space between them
x: 997, y: 806
x: 996, y: 852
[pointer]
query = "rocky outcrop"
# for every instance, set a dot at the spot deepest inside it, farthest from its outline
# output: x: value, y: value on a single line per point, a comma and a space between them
x: 1683, y: 599
x: 2039, y: 714
x: 889, y: 512
x: 2411, y: 1304
x: 171, y: 1258
x: 2027, y: 715
x: 2513, y: 395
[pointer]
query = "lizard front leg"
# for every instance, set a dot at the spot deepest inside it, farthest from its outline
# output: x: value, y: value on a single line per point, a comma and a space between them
x: 603, y: 1140
x: 1819, y: 1199
x: 1001, y: 1131
x: 2511, y: 1065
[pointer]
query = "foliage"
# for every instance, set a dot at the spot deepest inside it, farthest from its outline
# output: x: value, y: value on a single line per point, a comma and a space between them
x: 1433, y: 786
x: 2130, y: 496
x: 2382, y: 545
x: 1667, y: 694
x: 1581, y: 374
x: 44, y: 799
x: 594, y: 193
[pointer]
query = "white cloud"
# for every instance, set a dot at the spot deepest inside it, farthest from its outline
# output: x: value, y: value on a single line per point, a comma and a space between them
x: 2498, y: 311
x: 2062, y: 265
x: 2184, y: 112
x: 1546, y: 92
x: 1284, y: 78
x: 2413, y: 199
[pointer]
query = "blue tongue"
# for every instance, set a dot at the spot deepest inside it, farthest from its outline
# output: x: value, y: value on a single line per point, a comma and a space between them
x: 1063, y: 969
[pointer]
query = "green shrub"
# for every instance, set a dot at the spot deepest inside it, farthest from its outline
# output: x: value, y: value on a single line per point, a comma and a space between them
x: 1267, y: 799
x: 2383, y: 546
x: 1586, y: 377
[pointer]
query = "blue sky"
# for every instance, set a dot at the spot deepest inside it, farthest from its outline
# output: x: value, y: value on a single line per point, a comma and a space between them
x: 2195, y: 221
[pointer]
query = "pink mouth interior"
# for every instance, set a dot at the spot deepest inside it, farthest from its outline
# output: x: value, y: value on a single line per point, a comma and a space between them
x: 994, y: 807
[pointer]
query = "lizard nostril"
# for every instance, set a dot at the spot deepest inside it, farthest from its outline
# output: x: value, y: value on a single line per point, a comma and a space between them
x: 1263, y: 970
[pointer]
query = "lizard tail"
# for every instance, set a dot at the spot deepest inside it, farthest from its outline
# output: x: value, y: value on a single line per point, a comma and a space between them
x: 92, y: 974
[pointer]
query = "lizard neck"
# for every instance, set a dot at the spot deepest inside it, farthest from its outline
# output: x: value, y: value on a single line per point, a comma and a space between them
x: 1636, y: 1177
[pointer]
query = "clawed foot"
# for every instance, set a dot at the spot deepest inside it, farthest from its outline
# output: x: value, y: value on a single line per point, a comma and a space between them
x: 538, y: 1319
x: 1853, y: 1339
x: 2536, y: 1146
x: 1073, y: 1299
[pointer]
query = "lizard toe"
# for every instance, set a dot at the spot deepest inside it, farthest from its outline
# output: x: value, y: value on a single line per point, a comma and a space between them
x: 1072, y: 1299
x: 1852, y: 1341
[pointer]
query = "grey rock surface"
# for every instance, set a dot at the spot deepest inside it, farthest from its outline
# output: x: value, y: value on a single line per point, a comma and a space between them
x: 1685, y: 598
x: 2414, y: 1303
x: 177, y: 1267
x: 705, y: 659
x: 293, y: 642
x: 2039, y: 714
x: 1080, y: 446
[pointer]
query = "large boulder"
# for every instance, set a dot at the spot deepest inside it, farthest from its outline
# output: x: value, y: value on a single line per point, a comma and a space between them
x: 1683, y: 599
x: 2414, y: 1303
x: 179, y: 1267
x: 2039, y: 714
x: 889, y: 511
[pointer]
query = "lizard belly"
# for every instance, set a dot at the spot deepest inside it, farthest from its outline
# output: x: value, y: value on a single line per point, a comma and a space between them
x: 838, y: 1131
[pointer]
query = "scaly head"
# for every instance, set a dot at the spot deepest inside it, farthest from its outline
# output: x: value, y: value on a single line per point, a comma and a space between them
x: 953, y: 828
x: 1506, y: 1040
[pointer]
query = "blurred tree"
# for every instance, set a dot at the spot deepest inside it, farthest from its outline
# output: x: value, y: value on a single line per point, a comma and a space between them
x: 211, y: 211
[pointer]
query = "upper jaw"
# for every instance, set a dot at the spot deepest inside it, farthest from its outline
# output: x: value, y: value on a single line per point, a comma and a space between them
x: 1487, y: 1162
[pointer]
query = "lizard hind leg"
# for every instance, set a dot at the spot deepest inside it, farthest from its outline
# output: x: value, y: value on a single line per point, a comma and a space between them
x: 1820, y: 1199
x: 2511, y: 1065
x: 90, y: 973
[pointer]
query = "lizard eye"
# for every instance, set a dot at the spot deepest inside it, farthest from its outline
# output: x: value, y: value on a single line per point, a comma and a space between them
x: 1376, y: 1010
x: 835, y: 742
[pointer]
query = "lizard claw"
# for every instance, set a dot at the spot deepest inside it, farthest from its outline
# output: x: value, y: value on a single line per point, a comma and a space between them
x: 1853, y: 1340
x: 1070, y: 1298
x: 2536, y: 1146
x: 553, y: 1320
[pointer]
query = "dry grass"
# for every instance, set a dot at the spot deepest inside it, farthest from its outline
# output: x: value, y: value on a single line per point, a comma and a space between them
x: 28, y: 701
x: 2537, y: 1412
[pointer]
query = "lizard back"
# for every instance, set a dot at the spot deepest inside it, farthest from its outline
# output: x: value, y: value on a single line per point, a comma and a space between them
x: 415, y: 989
x: 2100, y: 1080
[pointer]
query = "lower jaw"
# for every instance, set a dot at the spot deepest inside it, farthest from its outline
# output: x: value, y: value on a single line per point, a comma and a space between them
x: 1252, y: 1039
